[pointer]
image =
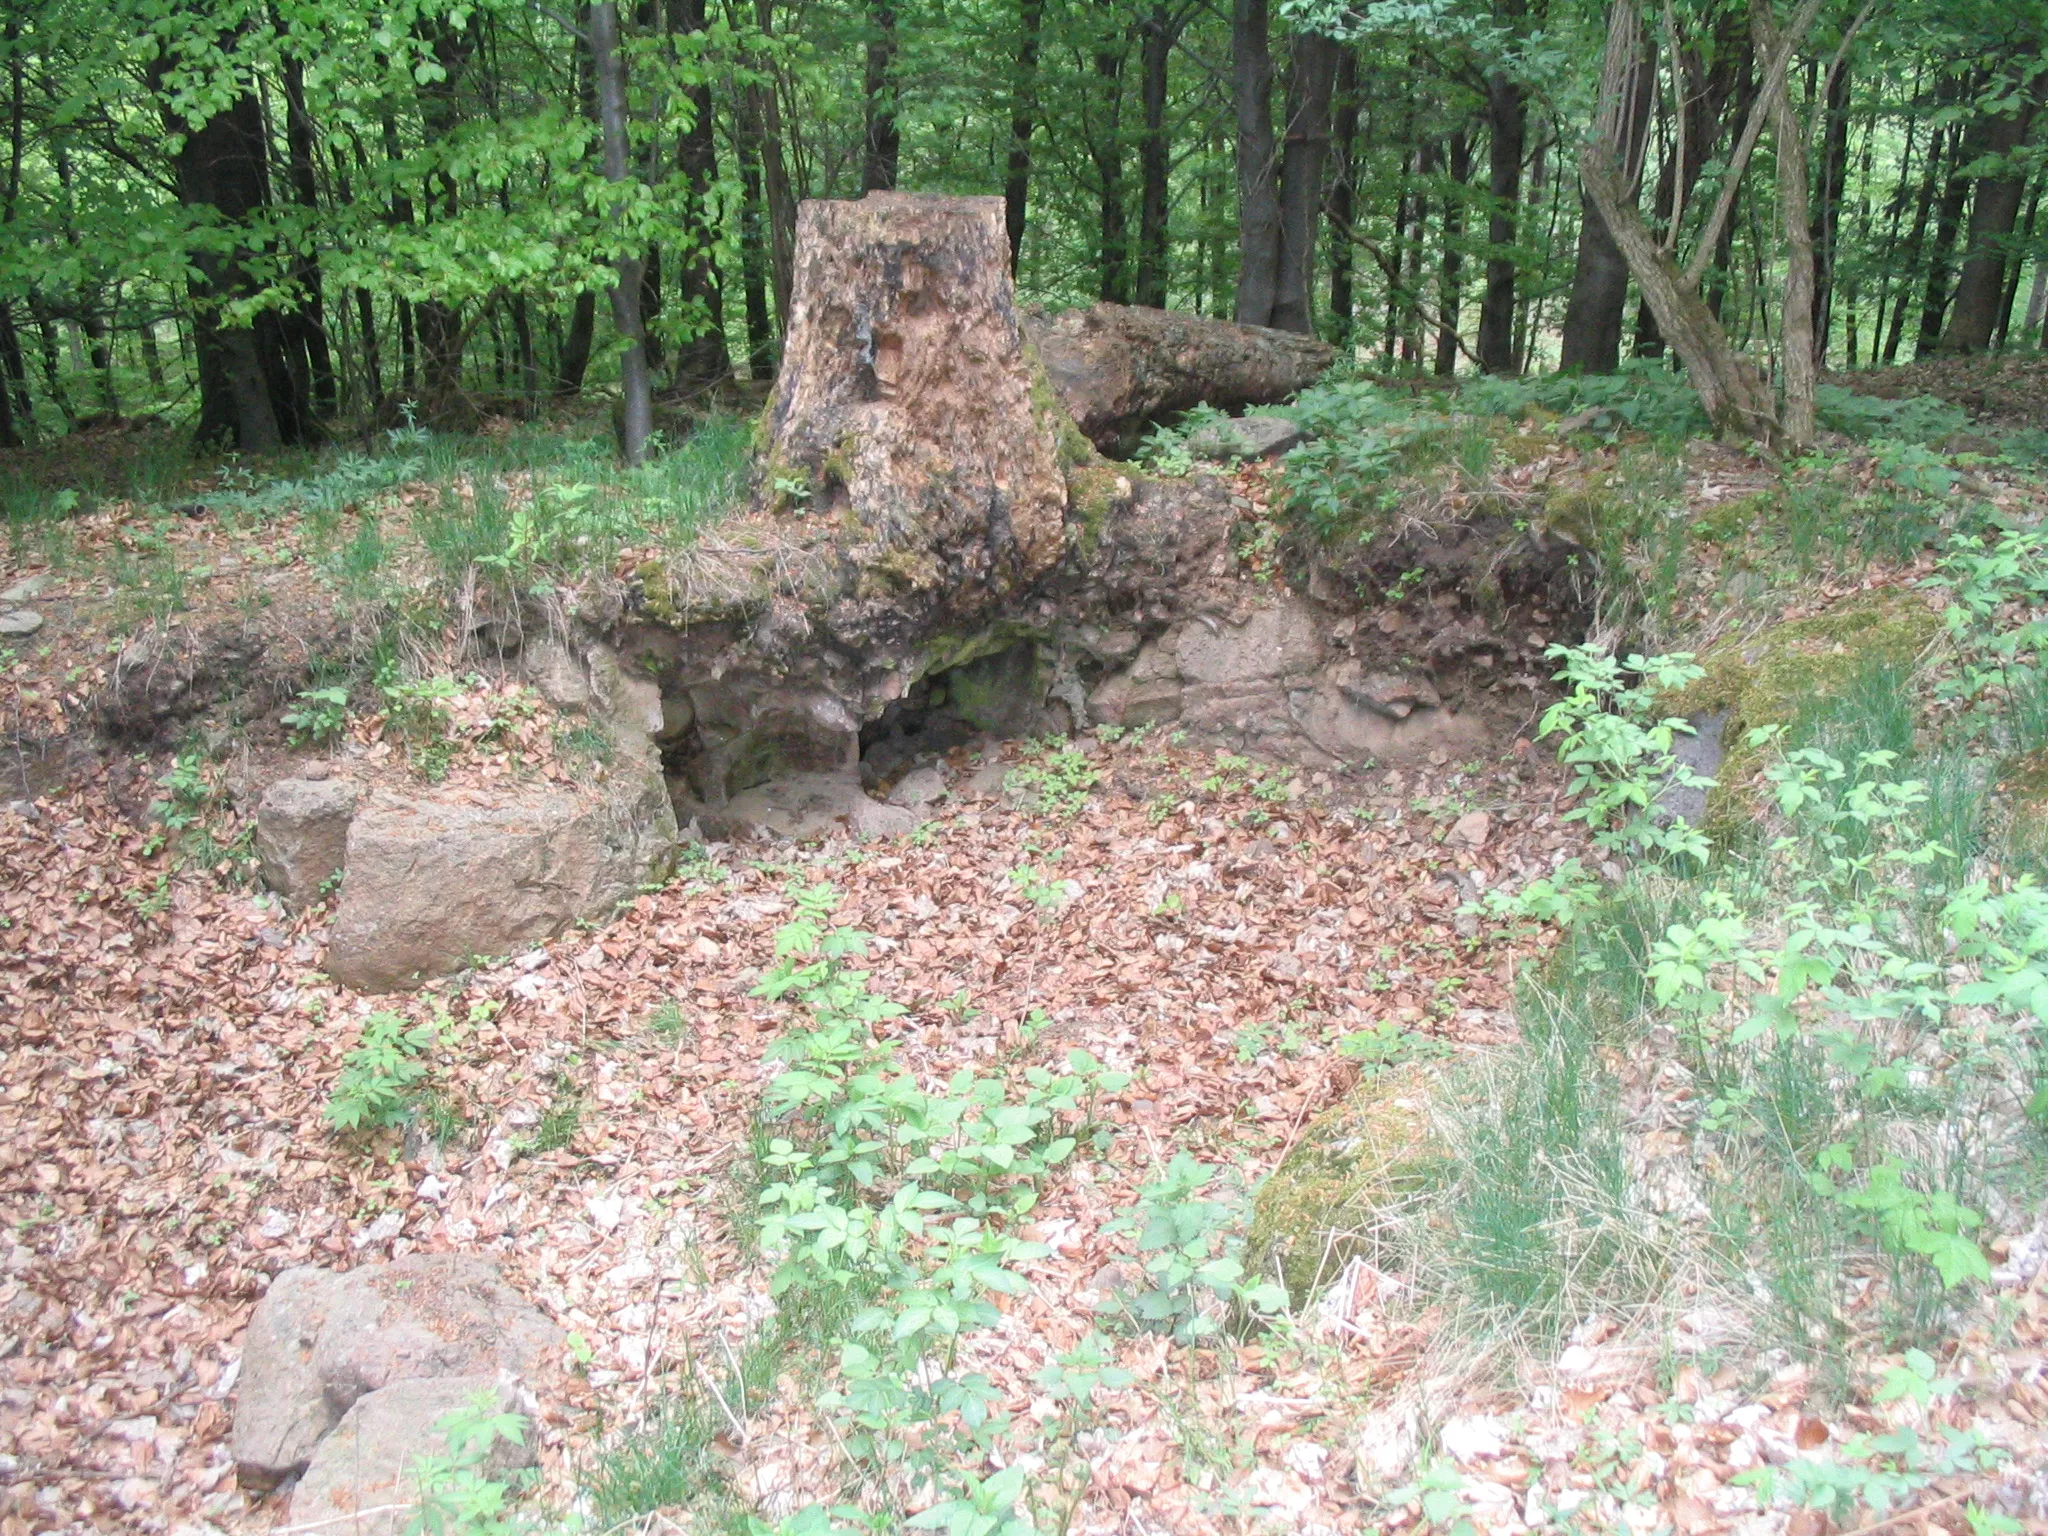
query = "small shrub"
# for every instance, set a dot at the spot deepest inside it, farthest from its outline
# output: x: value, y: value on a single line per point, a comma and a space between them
x: 381, y: 1075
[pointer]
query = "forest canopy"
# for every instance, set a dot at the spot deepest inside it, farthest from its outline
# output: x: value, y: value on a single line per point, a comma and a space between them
x: 268, y: 219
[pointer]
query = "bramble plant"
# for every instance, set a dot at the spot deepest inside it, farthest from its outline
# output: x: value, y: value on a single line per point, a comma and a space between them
x: 320, y: 718
x: 1620, y: 751
x: 1188, y: 1253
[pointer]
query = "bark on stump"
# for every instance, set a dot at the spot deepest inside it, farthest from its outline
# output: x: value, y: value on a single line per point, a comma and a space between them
x: 905, y: 414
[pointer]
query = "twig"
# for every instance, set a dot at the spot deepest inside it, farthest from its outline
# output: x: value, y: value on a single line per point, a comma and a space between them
x: 1916, y: 1512
x: 349, y: 1518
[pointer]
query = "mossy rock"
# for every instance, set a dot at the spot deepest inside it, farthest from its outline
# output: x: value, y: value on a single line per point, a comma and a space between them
x: 1771, y: 677
x: 1588, y: 517
x: 1354, y: 1166
x: 1092, y: 492
x: 1731, y: 521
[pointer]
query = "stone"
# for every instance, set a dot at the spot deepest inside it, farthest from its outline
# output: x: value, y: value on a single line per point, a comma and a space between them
x: 807, y: 806
x: 27, y: 589
x: 20, y: 623
x: 302, y: 835
x: 1388, y: 693
x: 555, y: 672
x: 1283, y: 640
x: 1701, y: 751
x: 1331, y: 715
x: 1470, y: 830
x: 360, y: 1478
x: 919, y: 788
x: 435, y: 884
x: 320, y: 1339
x: 1247, y: 437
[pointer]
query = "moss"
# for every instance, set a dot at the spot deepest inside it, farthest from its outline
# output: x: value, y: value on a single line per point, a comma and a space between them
x: 898, y: 570
x: 1073, y: 446
x: 1352, y: 1167
x: 657, y: 592
x: 1091, y: 494
x: 1732, y: 521
x: 1589, y: 518
x: 1768, y: 679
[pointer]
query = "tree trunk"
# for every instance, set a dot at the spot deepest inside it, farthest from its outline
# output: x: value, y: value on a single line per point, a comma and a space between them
x: 1922, y: 208
x: 1023, y: 121
x: 1258, y: 196
x: 881, y: 144
x: 14, y: 372
x: 1992, y: 216
x: 1341, y: 203
x: 1796, y: 334
x: 1507, y: 117
x: 1591, y: 342
x: 305, y: 322
x: 636, y: 420
x: 522, y: 336
x: 1827, y: 222
x: 2013, y: 270
x: 437, y: 323
x: 1450, y: 295
x: 754, y: 246
x: 1948, y: 218
x: 1301, y: 178
x: 775, y: 183
x: 703, y: 359
x: 1116, y: 367
x: 1159, y: 32
x: 1106, y: 149
x: 575, y: 357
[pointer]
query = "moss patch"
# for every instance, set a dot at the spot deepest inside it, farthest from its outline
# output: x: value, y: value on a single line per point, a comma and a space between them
x: 1767, y: 679
x: 1091, y: 494
x: 1355, y: 1164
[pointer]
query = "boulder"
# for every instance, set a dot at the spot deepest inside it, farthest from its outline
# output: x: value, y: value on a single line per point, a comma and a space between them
x: 321, y: 1339
x: 1282, y: 640
x: 807, y: 806
x: 361, y: 1478
x: 435, y: 884
x: 302, y: 835
x: 1247, y: 437
x: 20, y: 623
x: 919, y: 788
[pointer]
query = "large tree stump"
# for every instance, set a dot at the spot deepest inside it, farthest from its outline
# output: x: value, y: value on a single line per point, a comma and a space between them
x: 906, y: 414
x: 1116, y: 367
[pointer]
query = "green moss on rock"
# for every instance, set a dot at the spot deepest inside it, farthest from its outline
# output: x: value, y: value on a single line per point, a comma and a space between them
x: 1352, y: 1168
x: 1769, y: 678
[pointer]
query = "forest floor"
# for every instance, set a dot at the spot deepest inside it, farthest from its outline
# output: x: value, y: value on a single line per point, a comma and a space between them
x: 1245, y: 941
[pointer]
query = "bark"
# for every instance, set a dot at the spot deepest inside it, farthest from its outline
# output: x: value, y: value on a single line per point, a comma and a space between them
x: 905, y: 405
x: 1116, y: 367
x: 1827, y: 218
x: 1734, y: 396
x: 1993, y: 213
x: 1159, y: 32
x: 14, y: 369
x: 1106, y: 149
x: 1340, y: 204
x: 1796, y: 423
x: 1450, y: 298
x: 1948, y: 218
x: 305, y: 322
x: 1258, y: 195
x: 754, y: 246
x: 1922, y: 208
x: 1301, y: 178
x: 2013, y: 271
x: 1023, y: 122
x: 1699, y: 130
x: 880, y: 141
x: 636, y: 420
x: 1507, y: 116
x: 53, y: 374
x: 438, y: 324
x: 522, y: 336
x: 575, y: 357
x: 775, y: 183
x: 1591, y: 342
x: 702, y: 360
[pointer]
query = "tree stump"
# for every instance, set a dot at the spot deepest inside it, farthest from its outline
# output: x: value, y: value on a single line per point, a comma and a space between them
x: 907, y: 417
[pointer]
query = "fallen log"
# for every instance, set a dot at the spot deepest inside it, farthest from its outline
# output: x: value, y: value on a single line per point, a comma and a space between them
x: 1117, y: 367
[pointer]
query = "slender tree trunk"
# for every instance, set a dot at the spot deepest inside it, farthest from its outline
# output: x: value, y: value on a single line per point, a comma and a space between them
x: 775, y: 183
x: 1314, y: 76
x: 1796, y: 422
x: 15, y: 370
x: 881, y: 143
x: 636, y: 421
x: 754, y: 245
x: 1341, y: 200
x: 1591, y: 342
x: 1507, y: 116
x: 1937, y: 152
x: 437, y: 323
x: 2013, y: 269
x: 53, y: 368
x: 522, y: 336
x: 305, y: 322
x: 1830, y: 194
x: 575, y: 358
x: 1258, y: 195
x: 1992, y: 216
x: 1023, y: 121
x: 1159, y: 32
x: 704, y: 359
x: 1106, y: 149
x: 1948, y: 218
x: 1450, y: 295
x: 1411, y: 258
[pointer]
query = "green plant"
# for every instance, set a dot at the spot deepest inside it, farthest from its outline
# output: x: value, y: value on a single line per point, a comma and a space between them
x: 380, y: 1075
x: 1620, y: 752
x: 1040, y: 888
x: 558, y: 1123
x: 457, y: 1496
x: 1189, y: 1256
x: 320, y: 718
x: 1054, y: 779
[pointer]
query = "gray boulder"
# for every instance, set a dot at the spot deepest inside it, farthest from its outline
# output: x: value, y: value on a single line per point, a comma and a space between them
x: 319, y: 1340
x: 362, y: 1477
x: 1246, y: 437
x: 302, y: 835
x: 435, y: 884
x: 807, y: 806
